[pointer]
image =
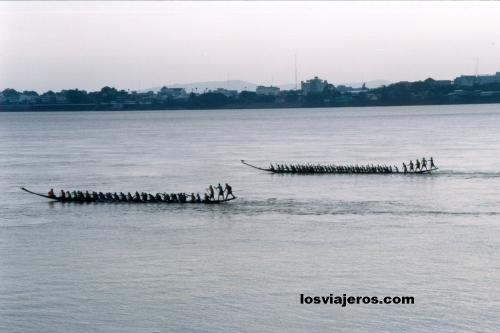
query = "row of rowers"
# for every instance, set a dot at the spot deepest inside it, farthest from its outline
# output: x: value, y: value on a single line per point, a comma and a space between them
x: 143, y: 197
x: 369, y: 168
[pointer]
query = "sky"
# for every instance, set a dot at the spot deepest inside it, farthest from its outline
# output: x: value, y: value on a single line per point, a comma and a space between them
x: 137, y: 45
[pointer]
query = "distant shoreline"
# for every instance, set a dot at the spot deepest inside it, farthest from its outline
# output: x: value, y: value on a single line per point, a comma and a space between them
x: 108, y: 108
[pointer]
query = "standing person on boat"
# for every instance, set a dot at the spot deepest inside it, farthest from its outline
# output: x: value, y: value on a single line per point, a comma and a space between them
x: 220, y: 192
x: 229, y: 191
x: 411, y: 166
x: 405, y: 168
x: 424, y: 163
x: 417, y: 165
x: 211, y: 194
x: 51, y: 193
x: 432, y: 163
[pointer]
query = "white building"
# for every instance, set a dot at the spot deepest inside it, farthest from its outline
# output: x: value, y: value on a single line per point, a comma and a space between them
x: 270, y: 91
x: 315, y: 85
x: 28, y: 98
x: 175, y: 93
x: 487, y: 79
x: 470, y: 80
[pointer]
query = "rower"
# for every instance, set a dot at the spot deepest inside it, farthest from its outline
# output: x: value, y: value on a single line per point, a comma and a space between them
x: 211, y: 192
x: 405, y: 169
x: 62, y: 195
x: 432, y: 163
x: 193, y: 197
x: 51, y: 193
x: 206, y: 198
x: 229, y: 191
x: 198, y: 198
x: 424, y: 163
x: 417, y: 167
x: 411, y: 166
x: 221, y: 192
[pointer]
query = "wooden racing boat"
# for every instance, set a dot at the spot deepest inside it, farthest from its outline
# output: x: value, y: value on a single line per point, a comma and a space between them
x: 300, y: 172
x: 135, y: 200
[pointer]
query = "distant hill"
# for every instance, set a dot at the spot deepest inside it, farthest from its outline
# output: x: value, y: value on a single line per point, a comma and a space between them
x: 241, y: 85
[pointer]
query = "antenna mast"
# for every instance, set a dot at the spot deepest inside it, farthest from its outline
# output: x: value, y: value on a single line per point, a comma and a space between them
x: 295, y: 58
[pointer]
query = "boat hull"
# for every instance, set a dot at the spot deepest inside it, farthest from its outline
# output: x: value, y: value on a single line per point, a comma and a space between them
x: 135, y: 201
x: 419, y: 172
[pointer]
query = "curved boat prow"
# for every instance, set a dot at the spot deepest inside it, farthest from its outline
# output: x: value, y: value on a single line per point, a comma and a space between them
x: 255, y: 167
x: 39, y: 194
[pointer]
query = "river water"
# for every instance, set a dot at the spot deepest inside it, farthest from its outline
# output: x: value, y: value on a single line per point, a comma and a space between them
x: 241, y: 266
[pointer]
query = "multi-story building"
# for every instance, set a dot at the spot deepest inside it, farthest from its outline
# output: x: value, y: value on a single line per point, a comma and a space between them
x: 465, y: 80
x: 470, y: 80
x: 175, y: 93
x: 315, y: 85
x: 487, y: 79
x: 270, y: 91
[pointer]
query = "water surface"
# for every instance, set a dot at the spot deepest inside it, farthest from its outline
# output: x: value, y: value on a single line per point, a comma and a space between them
x: 240, y: 267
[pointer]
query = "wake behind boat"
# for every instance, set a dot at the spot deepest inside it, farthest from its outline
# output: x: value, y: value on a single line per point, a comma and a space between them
x: 419, y: 167
x: 158, y: 198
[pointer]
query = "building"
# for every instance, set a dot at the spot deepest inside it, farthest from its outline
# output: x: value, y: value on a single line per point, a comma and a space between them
x: 28, y: 97
x: 440, y: 83
x: 465, y: 80
x: 269, y: 91
x: 226, y: 92
x: 488, y: 79
x: 470, y: 80
x: 174, y: 93
x: 315, y: 85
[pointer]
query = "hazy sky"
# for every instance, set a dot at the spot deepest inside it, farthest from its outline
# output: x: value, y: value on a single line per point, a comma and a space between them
x: 131, y: 45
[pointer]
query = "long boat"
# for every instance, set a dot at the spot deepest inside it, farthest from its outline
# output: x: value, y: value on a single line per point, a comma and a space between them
x: 326, y: 170
x: 135, y: 200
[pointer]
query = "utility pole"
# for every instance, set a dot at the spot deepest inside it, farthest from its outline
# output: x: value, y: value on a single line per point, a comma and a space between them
x: 295, y: 58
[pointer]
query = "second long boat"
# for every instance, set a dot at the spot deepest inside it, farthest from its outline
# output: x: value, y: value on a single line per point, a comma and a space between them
x: 423, y: 166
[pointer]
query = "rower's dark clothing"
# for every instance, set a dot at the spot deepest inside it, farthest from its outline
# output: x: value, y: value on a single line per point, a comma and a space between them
x: 221, y: 192
x: 229, y: 191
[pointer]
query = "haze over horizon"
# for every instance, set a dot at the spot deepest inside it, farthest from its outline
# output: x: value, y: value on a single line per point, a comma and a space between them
x: 137, y: 45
